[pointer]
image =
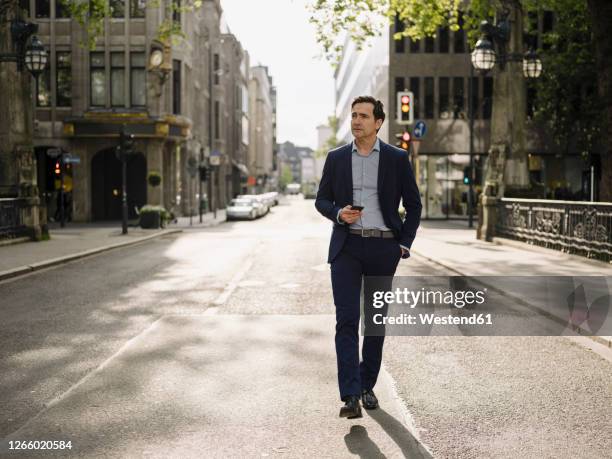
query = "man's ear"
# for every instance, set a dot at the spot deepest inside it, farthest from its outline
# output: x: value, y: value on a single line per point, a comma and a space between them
x: 378, y: 124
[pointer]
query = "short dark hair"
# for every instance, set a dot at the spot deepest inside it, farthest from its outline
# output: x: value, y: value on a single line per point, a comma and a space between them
x: 379, y: 109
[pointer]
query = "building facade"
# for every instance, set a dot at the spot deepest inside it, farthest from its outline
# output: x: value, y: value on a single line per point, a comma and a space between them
x: 188, y: 108
x: 262, y: 126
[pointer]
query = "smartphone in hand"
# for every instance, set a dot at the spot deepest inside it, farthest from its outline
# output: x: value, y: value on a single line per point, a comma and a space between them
x: 356, y: 207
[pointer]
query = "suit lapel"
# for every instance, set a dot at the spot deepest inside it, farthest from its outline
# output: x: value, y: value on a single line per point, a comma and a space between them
x: 382, y: 167
x: 348, y: 170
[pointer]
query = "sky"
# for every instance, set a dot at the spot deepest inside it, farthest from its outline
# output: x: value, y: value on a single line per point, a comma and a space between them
x: 276, y: 33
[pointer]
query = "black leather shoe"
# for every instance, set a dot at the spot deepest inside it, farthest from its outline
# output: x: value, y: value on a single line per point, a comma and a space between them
x: 351, y: 408
x: 369, y: 400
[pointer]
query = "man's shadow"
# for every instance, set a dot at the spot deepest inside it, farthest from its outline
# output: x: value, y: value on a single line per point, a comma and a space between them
x: 358, y: 441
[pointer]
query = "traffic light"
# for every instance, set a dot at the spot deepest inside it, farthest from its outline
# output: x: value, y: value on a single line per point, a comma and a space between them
x: 405, y: 107
x: 403, y: 140
x: 204, y: 173
x: 126, y: 143
x: 58, y: 168
x: 466, y: 175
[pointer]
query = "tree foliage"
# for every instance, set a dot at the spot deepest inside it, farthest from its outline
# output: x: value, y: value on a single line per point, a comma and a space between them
x: 566, y: 103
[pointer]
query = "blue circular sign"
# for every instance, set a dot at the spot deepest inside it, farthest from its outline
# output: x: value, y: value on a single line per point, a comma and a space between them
x: 420, y: 128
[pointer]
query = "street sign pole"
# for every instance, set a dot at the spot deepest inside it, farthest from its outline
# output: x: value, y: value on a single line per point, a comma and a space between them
x: 124, y: 208
x: 62, y: 210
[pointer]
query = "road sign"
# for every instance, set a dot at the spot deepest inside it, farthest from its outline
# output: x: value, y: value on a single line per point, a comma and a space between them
x: 69, y: 159
x: 420, y: 128
x: 215, y: 158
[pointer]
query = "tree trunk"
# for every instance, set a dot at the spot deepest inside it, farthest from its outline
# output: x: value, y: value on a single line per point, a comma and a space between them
x: 17, y: 163
x: 601, y: 17
x: 509, y: 112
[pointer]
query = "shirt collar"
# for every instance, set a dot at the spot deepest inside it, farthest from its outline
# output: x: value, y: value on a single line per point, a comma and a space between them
x: 376, y: 146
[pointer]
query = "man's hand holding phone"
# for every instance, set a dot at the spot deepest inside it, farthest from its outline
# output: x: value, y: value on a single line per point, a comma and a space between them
x: 350, y: 214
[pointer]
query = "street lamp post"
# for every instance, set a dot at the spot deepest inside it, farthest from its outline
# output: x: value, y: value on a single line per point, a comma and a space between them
x: 491, y: 50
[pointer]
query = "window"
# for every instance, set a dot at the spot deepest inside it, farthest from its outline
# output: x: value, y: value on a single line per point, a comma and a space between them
x: 444, y: 91
x: 401, y: 43
x: 429, y: 44
x: 217, y: 118
x: 400, y: 85
x: 487, y: 95
x: 531, y: 98
x: 43, y: 90
x: 443, y: 41
x: 43, y: 8
x: 415, y: 46
x: 458, y: 97
x: 548, y: 22
x: 137, y: 80
x: 61, y: 11
x: 25, y: 5
x: 459, y: 37
x: 429, y: 97
x: 176, y: 11
x: 474, y: 81
x: 137, y: 8
x: 117, y: 8
x: 63, y: 77
x: 98, y: 79
x: 216, y: 66
x: 416, y: 92
x: 176, y: 87
x: 118, y: 79
x: 530, y: 38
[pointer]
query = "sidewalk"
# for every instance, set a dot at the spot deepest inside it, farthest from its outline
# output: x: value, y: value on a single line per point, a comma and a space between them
x: 454, y: 247
x: 77, y: 240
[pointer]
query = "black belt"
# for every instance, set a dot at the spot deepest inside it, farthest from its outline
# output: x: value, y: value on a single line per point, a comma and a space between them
x: 372, y: 233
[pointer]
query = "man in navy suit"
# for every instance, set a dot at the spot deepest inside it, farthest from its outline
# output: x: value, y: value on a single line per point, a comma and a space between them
x: 368, y: 241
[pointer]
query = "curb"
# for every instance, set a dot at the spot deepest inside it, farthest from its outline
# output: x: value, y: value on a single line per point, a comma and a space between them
x: 604, y: 340
x: 21, y: 270
x: 536, y: 248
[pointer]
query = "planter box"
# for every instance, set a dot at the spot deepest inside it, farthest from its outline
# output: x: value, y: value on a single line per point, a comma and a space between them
x: 150, y: 220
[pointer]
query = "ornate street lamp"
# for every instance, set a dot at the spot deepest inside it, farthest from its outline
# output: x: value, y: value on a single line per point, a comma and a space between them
x: 34, y: 56
x: 483, y: 56
x: 532, y: 65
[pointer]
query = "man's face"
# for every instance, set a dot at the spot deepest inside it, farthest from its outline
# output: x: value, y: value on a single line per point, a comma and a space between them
x: 363, y: 124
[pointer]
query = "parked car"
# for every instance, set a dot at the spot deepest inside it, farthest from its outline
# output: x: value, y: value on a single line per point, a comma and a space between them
x: 310, y: 190
x: 260, y: 203
x: 241, y: 208
x: 293, y: 188
x: 271, y: 198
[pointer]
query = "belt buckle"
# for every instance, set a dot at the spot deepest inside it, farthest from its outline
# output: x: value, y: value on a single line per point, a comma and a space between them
x: 366, y: 233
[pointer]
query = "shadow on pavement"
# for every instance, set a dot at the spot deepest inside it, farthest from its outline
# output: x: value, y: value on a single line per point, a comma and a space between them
x: 409, y: 445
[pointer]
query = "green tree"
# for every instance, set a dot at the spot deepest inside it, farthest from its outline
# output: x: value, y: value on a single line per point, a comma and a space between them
x: 566, y: 104
x: 361, y: 20
x: 286, y: 176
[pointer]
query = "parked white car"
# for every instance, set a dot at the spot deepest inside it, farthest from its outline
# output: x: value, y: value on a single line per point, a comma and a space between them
x: 260, y: 203
x: 242, y: 208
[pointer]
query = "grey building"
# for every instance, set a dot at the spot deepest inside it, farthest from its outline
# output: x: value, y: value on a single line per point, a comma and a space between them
x: 291, y: 155
x: 262, y: 126
x: 85, y: 98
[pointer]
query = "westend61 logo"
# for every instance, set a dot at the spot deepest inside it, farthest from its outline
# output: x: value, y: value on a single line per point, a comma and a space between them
x: 412, y: 298
x: 487, y: 305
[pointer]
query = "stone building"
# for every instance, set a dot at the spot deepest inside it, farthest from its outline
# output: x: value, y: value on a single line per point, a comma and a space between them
x: 86, y: 97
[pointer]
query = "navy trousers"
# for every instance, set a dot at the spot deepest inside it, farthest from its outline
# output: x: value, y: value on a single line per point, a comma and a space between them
x: 360, y: 256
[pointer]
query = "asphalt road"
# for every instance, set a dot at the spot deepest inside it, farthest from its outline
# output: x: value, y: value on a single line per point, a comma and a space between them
x: 219, y: 343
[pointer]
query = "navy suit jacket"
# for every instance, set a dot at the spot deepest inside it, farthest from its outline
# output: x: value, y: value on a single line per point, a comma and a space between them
x: 395, y: 181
